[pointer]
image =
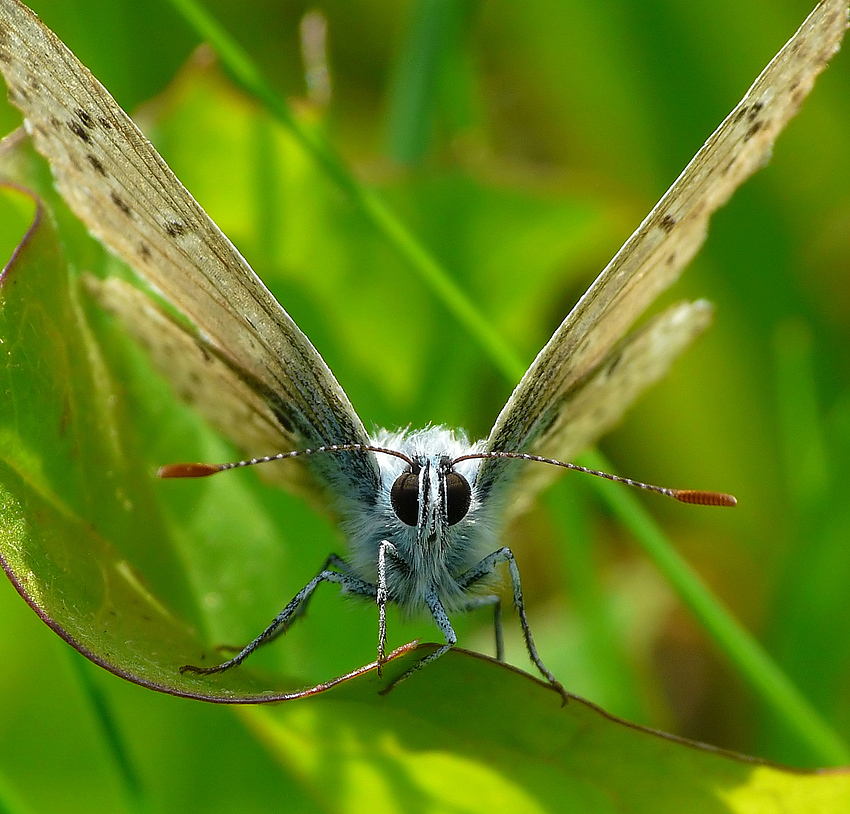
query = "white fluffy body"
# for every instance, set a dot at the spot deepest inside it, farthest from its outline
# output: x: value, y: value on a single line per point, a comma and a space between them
x: 435, y: 552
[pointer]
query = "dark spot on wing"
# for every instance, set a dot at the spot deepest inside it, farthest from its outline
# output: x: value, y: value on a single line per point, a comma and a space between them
x: 96, y: 165
x: 79, y: 131
x: 105, y: 123
x: 740, y: 114
x: 175, y: 228
x: 754, y: 128
x: 667, y: 223
x: 5, y: 58
x: 144, y: 251
x: 120, y: 203
x: 55, y: 123
x: 755, y: 110
x: 670, y: 259
x: 84, y: 117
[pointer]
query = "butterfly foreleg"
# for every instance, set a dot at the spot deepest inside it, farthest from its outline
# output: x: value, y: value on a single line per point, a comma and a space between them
x: 333, y: 561
x: 349, y: 584
x: 486, y: 567
x: 385, y: 550
x: 442, y: 620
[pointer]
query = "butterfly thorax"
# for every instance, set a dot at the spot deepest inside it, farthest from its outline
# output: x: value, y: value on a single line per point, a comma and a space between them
x: 428, y: 512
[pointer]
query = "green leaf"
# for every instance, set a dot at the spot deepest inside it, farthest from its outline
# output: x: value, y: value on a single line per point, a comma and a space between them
x: 464, y: 742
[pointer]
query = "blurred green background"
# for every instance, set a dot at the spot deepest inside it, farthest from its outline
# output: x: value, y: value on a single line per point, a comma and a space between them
x: 522, y: 143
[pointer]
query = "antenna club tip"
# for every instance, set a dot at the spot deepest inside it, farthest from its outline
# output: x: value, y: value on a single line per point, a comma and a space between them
x: 702, y: 498
x: 188, y: 470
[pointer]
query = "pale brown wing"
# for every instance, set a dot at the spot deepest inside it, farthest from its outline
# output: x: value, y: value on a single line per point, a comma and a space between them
x: 119, y: 186
x: 202, y: 379
x: 596, y: 403
x: 534, y: 418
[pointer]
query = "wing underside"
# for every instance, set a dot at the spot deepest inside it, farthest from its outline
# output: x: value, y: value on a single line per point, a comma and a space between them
x: 536, y: 417
x: 118, y: 185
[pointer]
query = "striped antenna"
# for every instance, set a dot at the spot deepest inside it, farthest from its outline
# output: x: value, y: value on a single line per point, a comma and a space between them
x: 697, y: 497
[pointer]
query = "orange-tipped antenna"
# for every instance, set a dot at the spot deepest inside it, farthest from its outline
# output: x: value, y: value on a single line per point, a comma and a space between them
x: 195, y: 470
x: 188, y: 470
x: 696, y: 496
x: 701, y: 498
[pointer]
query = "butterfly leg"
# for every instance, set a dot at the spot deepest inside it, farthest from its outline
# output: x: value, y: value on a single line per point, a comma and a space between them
x: 386, y: 549
x: 486, y: 567
x: 348, y: 583
x: 333, y: 561
x: 442, y: 620
x: 496, y: 602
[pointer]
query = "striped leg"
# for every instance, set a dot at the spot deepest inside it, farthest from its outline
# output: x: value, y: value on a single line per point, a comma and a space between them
x: 348, y: 583
x: 486, y: 567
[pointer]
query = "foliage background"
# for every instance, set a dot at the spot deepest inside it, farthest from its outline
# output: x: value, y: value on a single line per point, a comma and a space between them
x: 552, y: 130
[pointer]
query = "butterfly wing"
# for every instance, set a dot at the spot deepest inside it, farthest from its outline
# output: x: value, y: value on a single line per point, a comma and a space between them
x: 203, y: 380
x: 550, y: 396
x: 598, y: 402
x: 119, y: 186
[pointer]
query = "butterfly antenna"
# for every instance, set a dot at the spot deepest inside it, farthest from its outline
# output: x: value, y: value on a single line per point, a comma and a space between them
x: 696, y: 496
x: 199, y: 470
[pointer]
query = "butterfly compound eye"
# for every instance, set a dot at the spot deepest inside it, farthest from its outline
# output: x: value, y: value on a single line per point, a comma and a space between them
x: 458, y: 497
x: 404, y: 497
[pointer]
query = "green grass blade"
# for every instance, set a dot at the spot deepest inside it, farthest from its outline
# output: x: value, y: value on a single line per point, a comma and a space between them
x: 113, y: 738
x: 433, y: 34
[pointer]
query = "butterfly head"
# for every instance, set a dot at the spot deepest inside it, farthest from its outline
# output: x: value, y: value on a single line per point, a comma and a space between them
x: 427, y: 490
x: 431, y: 495
x: 427, y: 508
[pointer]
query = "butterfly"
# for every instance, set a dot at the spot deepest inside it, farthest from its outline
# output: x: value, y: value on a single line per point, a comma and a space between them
x: 421, y: 510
